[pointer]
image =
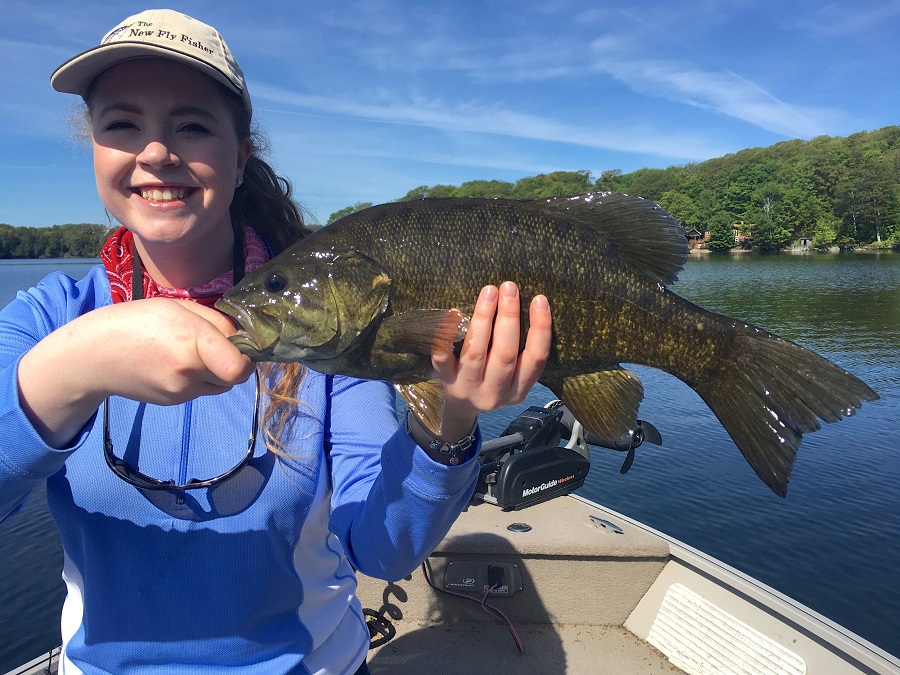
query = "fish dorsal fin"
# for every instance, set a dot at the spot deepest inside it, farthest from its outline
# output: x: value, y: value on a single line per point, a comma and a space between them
x: 648, y: 237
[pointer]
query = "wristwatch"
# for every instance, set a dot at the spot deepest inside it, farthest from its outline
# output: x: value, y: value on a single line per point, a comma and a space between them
x: 449, y: 453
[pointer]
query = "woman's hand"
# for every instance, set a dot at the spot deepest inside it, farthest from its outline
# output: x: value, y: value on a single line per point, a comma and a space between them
x: 491, y: 372
x: 157, y: 350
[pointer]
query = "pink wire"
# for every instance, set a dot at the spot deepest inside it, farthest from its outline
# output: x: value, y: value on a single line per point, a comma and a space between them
x: 490, y: 609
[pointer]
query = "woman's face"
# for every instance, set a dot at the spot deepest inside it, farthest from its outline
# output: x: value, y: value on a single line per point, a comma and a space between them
x: 166, y: 155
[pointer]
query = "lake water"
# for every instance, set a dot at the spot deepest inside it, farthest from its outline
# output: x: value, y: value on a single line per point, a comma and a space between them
x: 833, y: 544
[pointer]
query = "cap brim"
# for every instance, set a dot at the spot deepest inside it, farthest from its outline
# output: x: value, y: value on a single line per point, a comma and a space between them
x: 76, y: 74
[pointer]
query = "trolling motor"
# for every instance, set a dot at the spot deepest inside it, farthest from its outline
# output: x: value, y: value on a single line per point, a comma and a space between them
x: 526, y: 464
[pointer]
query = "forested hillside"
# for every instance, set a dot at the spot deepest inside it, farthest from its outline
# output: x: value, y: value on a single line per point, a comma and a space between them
x: 836, y: 191
x: 59, y: 241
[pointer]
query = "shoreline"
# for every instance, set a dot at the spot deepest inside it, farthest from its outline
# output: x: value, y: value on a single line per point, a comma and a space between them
x: 791, y: 251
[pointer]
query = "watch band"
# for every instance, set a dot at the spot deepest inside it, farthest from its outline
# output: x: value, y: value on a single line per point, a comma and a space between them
x: 450, y: 453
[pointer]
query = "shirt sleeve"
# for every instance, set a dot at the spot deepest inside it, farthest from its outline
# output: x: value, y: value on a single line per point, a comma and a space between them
x: 391, y: 503
x: 25, y: 459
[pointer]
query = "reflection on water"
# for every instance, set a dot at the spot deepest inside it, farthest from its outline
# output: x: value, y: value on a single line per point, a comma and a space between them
x: 836, y: 302
x: 830, y: 545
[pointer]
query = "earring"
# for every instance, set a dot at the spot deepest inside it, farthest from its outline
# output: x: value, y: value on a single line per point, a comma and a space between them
x: 240, y: 181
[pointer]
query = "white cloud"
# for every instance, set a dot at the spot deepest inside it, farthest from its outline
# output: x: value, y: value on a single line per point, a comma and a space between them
x: 477, y: 118
x: 862, y: 19
x: 719, y: 91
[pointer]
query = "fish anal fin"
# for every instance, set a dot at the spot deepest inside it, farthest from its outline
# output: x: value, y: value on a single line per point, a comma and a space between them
x: 422, y: 331
x: 605, y: 402
x: 426, y: 401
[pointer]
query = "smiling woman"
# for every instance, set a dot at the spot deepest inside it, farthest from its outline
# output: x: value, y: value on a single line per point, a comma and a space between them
x: 167, y: 160
x: 157, y: 500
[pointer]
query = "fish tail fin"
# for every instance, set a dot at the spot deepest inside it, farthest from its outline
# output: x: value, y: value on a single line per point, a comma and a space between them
x: 774, y: 393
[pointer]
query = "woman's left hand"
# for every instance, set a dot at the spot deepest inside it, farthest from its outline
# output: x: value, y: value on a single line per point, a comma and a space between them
x: 491, y: 372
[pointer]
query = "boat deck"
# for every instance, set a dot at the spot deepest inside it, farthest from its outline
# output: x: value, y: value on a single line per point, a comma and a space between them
x: 578, y: 582
x: 469, y: 647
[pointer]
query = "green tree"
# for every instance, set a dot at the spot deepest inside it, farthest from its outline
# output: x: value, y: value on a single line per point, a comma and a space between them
x: 49, y: 243
x: 8, y: 240
x: 768, y: 234
x: 556, y: 184
x: 28, y: 244
x: 347, y: 210
x: 797, y: 212
x: 424, y: 192
x: 737, y: 198
x: 648, y: 183
x: 682, y: 207
x: 825, y: 232
x: 879, y: 205
x: 847, y: 208
x: 484, y: 189
x: 608, y: 181
x: 721, y: 232
x: 59, y: 241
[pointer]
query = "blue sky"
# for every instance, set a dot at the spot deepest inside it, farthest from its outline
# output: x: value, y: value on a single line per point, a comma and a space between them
x: 363, y: 101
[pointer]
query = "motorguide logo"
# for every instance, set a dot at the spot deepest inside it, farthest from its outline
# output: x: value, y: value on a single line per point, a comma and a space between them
x: 527, y: 492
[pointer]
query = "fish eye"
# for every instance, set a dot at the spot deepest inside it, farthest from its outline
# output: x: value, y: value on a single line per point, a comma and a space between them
x: 275, y: 282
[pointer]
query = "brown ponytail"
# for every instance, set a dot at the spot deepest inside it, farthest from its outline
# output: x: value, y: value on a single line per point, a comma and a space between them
x: 264, y: 202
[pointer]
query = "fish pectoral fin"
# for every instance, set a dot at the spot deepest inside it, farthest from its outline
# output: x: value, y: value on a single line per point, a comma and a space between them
x: 426, y: 401
x: 422, y: 331
x: 605, y: 402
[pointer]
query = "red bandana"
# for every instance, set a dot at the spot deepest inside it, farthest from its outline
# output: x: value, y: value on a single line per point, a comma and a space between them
x: 118, y: 259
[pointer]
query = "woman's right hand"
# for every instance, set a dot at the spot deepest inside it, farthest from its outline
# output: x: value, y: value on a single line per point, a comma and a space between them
x: 157, y: 350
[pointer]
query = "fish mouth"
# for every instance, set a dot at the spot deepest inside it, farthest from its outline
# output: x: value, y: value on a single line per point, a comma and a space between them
x: 234, y: 312
x: 248, y: 341
x: 244, y: 343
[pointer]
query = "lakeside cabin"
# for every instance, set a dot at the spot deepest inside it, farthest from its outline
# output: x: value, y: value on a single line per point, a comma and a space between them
x: 696, y: 238
x: 743, y: 233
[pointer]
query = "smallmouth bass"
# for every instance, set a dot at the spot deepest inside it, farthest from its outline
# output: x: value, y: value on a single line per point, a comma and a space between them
x: 375, y: 293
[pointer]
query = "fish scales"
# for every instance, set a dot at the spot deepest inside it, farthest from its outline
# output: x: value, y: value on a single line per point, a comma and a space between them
x: 370, y: 294
x: 462, y: 253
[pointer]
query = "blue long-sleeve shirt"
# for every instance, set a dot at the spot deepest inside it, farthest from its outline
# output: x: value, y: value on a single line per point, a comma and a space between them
x: 252, y: 575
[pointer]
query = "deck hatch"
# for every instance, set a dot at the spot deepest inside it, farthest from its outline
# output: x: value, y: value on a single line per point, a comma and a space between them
x: 702, y: 639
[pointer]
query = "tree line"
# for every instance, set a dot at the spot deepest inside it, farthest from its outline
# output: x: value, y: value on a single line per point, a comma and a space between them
x: 834, y: 191
x: 72, y: 240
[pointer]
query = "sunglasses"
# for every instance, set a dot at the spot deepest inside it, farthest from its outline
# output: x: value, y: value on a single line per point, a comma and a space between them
x: 131, y: 475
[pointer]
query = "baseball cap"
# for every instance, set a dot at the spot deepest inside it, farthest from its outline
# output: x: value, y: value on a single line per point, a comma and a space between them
x: 159, y: 33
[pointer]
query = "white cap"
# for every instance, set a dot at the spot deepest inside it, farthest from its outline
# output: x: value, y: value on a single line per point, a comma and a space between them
x: 159, y: 33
